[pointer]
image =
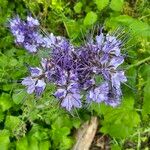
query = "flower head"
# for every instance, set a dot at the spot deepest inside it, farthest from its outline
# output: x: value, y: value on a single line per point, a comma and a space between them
x: 26, y: 33
x: 73, y: 69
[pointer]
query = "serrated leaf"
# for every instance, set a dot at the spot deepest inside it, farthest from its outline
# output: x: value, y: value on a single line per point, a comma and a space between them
x: 38, y: 132
x: 78, y: 7
x: 76, y: 122
x: 13, y: 62
x: 117, y: 121
x: 3, y: 60
x: 12, y: 122
x: 5, y: 101
x: 72, y: 28
x: 22, y: 144
x: 116, y: 5
x: 18, y: 96
x: 90, y: 18
x: 66, y: 143
x: 101, y: 4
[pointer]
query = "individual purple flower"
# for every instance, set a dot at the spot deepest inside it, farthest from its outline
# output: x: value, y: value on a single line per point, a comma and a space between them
x: 114, y: 97
x: 50, y: 70
x: 88, y: 83
x: 116, y: 61
x: 30, y: 83
x: 35, y: 71
x: 60, y: 93
x: 69, y: 92
x: 39, y: 87
x: 113, y: 101
x: 15, y: 25
x: 100, y: 40
x: 110, y: 65
x: 69, y: 97
x: 49, y: 41
x: 112, y: 45
x: 30, y: 48
x: 118, y: 78
x: 72, y: 100
x: 35, y: 83
x: 99, y: 94
x: 32, y: 22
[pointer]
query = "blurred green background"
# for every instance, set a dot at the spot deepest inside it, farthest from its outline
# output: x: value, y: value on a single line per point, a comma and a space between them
x: 30, y: 124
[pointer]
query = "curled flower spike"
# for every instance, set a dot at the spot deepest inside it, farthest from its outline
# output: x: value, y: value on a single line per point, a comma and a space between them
x: 32, y: 22
x: 26, y: 33
x: 73, y: 69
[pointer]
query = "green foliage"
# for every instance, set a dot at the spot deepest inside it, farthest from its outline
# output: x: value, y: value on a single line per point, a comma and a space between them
x: 28, y: 123
x: 78, y: 7
x: 117, y: 122
x: 116, y: 5
x: 18, y: 96
x: 5, y: 101
x: 137, y: 27
x: 101, y: 4
x: 90, y: 18
x: 12, y: 123
x: 146, y: 102
x: 4, y: 139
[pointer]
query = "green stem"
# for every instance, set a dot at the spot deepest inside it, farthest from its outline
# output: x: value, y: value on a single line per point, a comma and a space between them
x: 139, y: 141
x: 138, y: 63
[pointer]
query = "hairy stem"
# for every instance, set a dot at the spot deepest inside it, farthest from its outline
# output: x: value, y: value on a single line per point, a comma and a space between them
x: 138, y: 63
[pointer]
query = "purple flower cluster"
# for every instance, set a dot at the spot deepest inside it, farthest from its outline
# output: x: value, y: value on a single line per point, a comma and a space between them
x: 73, y: 69
x: 26, y: 33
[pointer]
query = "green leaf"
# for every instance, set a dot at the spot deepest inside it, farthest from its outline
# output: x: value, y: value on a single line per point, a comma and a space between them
x: 18, y: 96
x: 101, y: 4
x: 13, y: 62
x: 5, y: 101
x: 3, y: 60
x: 1, y: 116
x: 137, y: 27
x: 22, y: 144
x: 66, y: 143
x: 32, y: 143
x: 116, y: 5
x: 4, y: 140
x: 115, y: 147
x: 44, y: 145
x: 76, y: 122
x: 146, y: 102
x: 38, y: 132
x: 73, y: 28
x: 78, y: 7
x: 8, y: 87
x: 12, y: 122
x: 117, y: 121
x: 90, y: 18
